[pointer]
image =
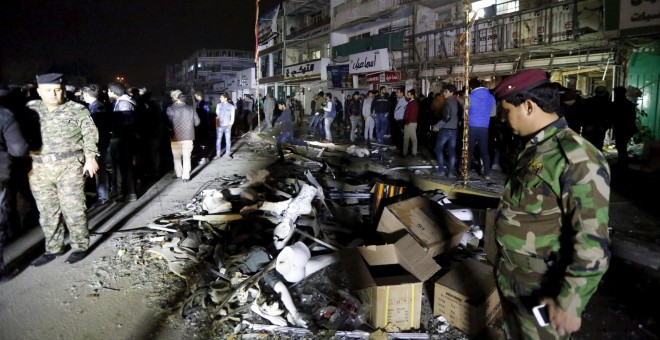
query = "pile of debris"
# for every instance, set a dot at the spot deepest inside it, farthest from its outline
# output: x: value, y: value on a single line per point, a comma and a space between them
x: 283, y: 251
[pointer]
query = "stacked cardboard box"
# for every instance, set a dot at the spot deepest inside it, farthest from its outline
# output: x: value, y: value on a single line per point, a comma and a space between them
x: 389, y: 277
x: 467, y: 296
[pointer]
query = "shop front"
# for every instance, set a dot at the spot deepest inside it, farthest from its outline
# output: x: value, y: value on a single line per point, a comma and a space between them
x: 304, y: 80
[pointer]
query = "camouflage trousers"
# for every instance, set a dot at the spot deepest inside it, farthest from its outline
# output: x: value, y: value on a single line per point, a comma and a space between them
x: 519, y: 292
x: 58, y: 190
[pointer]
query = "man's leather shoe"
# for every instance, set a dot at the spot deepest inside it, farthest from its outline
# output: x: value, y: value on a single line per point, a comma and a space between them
x: 76, y: 256
x: 43, y: 259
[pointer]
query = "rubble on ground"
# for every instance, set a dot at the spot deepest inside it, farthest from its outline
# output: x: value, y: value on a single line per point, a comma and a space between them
x: 260, y: 253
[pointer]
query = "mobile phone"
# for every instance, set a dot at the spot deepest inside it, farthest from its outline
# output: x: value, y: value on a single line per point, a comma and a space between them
x: 541, y: 315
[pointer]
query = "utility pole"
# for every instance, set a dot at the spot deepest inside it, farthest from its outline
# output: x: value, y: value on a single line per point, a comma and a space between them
x: 256, y: 62
x: 469, y: 22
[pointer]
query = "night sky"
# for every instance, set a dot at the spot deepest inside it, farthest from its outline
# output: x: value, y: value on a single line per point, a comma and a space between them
x: 130, y: 38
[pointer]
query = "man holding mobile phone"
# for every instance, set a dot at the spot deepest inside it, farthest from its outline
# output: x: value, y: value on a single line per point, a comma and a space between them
x: 551, y: 228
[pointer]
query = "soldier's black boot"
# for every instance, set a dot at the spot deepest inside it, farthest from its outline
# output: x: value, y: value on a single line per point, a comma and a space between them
x: 43, y: 259
x: 76, y: 256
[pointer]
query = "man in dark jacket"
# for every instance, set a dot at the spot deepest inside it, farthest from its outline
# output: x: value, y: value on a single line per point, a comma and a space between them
x: 380, y: 107
x: 353, y: 109
x: 447, y: 129
x: 184, y: 119
x: 597, y: 117
x: 12, y: 144
x: 286, y: 129
x: 103, y: 121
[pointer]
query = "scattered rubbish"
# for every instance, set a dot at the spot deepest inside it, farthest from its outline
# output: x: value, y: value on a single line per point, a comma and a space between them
x: 301, y: 250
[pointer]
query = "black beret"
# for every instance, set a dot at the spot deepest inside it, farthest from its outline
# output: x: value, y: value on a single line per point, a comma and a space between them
x: 521, y: 81
x: 49, y: 78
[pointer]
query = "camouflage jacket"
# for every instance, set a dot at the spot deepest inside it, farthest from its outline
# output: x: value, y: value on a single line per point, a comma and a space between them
x: 555, y: 206
x: 69, y: 128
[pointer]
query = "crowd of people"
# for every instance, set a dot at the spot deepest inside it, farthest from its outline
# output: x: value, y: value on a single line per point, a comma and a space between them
x: 436, y: 123
x: 557, y: 188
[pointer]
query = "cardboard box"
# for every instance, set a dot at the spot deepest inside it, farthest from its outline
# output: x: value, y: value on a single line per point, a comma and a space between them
x: 417, y: 229
x: 393, y: 295
x: 467, y: 296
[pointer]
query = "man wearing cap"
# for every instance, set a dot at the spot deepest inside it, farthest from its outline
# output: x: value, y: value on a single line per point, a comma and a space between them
x: 67, y: 153
x: 551, y: 228
x: 183, y: 119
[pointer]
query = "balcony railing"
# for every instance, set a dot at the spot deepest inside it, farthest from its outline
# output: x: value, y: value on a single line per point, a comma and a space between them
x: 353, y: 10
x: 300, y: 32
x: 535, y: 28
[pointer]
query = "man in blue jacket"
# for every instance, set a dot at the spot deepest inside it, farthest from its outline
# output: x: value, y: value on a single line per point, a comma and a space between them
x: 481, y: 104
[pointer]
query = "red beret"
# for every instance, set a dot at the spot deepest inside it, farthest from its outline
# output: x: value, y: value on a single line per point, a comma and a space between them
x: 521, y: 81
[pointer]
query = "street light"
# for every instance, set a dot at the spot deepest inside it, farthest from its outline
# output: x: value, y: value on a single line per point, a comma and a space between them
x: 120, y: 79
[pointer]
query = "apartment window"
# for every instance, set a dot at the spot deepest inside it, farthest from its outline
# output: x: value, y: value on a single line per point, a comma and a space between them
x: 383, y: 30
x: 359, y: 36
x: 507, y: 6
x: 315, y: 55
x: 316, y: 17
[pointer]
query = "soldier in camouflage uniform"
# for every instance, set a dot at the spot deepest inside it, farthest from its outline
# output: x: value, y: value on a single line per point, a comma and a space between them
x: 67, y: 153
x: 551, y: 227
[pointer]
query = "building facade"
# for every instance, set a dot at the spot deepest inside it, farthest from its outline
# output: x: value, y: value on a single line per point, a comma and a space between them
x: 208, y: 71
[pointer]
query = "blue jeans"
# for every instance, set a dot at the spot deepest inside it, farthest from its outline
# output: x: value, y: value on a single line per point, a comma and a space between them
x: 226, y: 131
x: 446, y: 137
x: 327, y: 124
x: 479, y: 135
x: 382, y: 124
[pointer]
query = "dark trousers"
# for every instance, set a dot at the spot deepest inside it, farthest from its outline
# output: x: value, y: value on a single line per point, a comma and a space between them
x: 287, y: 137
x: 4, y: 219
x: 621, y: 142
x: 122, y: 152
x: 479, y: 136
x: 446, y: 137
x: 103, y: 174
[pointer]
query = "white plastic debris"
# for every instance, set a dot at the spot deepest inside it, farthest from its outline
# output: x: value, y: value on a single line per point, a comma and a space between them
x: 215, y: 203
x: 358, y: 151
x: 462, y: 214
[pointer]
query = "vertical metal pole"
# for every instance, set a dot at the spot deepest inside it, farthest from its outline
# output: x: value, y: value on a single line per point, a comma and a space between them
x: 256, y: 62
x: 466, y: 107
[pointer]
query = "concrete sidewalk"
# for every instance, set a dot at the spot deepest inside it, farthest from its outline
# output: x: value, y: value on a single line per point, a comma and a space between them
x: 59, y: 300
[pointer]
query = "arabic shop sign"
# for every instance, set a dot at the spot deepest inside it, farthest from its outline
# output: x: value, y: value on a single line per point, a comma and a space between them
x: 370, y: 61
x: 310, y: 70
x: 384, y: 77
x: 639, y: 13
